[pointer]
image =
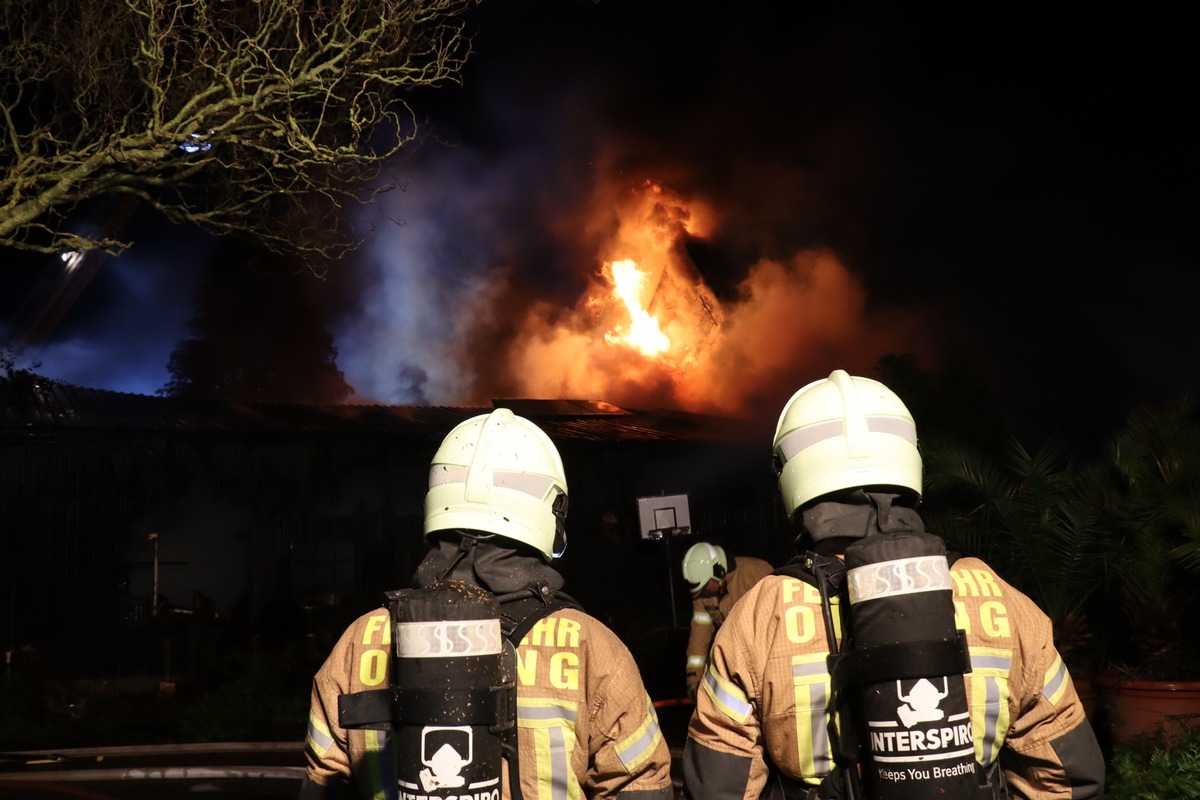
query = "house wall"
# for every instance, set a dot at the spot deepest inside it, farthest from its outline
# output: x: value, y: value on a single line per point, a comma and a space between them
x: 265, y: 536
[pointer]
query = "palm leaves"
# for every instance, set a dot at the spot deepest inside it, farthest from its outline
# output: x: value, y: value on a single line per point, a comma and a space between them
x: 1151, y: 511
x: 1031, y: 515
x: 1128, y: 522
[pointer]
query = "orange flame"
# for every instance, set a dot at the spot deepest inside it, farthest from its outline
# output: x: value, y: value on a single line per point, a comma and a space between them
x: 643, y: 333
x: 650, y: 332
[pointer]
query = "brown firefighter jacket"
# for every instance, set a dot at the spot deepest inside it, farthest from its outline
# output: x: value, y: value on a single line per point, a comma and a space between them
x: 709, y: 612
x: 586, y: 727
x: 762, y: 705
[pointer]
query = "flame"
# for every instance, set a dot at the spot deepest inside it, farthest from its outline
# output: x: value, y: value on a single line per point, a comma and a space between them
x: 650, y: 332
x: 643, y: 332
x: 654, y: 307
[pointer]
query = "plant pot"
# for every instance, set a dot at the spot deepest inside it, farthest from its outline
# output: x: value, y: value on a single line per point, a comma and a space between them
x: 1085, y: 687
x: 1137, y: 707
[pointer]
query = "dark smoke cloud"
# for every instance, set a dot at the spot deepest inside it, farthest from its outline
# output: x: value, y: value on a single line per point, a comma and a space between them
x: 1011, y: 189
x: 997, y: 175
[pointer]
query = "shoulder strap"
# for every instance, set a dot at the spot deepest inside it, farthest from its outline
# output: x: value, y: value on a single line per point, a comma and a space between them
x: 520, y: 611
x: 804, y: 566
x: 828, y: 575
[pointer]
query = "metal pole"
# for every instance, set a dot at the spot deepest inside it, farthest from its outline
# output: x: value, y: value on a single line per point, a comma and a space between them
x: 154, y: 591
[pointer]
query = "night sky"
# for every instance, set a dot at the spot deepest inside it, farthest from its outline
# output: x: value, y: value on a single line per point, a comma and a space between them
x: 1009, y: 188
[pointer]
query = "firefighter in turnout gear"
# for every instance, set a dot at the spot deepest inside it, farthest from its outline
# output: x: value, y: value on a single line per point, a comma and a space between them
x: 717, y: 581
x: 983, y: 707
x: 584, y: 724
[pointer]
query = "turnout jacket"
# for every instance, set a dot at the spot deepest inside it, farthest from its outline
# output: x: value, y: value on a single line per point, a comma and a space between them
x: 708, y: 613
x: 761, y: 710
x: 586, y: 726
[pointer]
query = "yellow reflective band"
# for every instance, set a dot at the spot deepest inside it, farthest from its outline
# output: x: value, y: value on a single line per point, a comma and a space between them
x: 1054, y: 686
x: 988, y: 681
x: 728, y: 697
x: 697, y: 661
x: 991, y: 660
x: 637, y: 747
x: 552, y: 725
x: 811, y: 687
x: 318, y: 738
x: 379, y: 763
x: 701, y: 618
x: 538, y: 713
x: 810, y: 666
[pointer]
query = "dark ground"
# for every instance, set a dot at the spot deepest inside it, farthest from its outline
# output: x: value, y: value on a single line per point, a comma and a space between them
x: 220, y: 771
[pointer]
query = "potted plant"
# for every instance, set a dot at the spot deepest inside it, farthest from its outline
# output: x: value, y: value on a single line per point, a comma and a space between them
x: 1150, y: 528
x: 1031, y: 517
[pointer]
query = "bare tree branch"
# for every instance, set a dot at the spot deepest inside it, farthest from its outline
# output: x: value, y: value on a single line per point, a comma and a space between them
x: 233, y: 115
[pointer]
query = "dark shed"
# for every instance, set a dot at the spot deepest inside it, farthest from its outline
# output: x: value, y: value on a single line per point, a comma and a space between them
x: 273, y: 519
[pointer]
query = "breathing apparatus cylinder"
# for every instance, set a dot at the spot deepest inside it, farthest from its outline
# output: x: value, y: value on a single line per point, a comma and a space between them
x: 448, y: 647
x: 451, y: 703
x: 907, y: 676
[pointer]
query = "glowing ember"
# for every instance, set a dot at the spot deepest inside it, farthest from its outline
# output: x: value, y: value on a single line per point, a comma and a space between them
x: 643, y: 332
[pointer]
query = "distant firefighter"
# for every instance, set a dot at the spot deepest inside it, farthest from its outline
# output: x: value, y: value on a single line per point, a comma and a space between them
x: 717, y: 582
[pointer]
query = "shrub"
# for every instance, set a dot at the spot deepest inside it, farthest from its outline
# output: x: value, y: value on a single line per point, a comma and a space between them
x: 1165, y: 766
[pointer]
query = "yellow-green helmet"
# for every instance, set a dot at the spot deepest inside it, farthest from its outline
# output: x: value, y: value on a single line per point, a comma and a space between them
x: 499, y: 473
x: 844, y: 432
x: 702, y: 562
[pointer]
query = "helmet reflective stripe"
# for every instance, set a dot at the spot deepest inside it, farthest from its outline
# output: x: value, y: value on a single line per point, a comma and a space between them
x: 802, y: 439
x: 535, y: 485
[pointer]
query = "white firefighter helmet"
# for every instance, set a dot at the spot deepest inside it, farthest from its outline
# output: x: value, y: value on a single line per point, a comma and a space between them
x: 702, y: 562
x: 499, y: 473
x: 844, y: 432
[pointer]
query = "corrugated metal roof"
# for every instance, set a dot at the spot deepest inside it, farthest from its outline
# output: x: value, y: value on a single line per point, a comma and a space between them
x: 37, y: 406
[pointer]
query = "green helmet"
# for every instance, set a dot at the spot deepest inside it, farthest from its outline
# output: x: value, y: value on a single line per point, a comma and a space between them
x: 844, y: 432
x: 702, y: 563
x: 501, y: 474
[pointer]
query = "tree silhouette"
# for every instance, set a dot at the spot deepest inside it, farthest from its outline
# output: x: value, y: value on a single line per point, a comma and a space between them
x: 225, y: 115
x: 259, y: 334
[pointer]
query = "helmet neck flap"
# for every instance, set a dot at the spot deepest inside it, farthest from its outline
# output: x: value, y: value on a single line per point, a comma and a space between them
x: 488, y: 561
x: 854, y: 514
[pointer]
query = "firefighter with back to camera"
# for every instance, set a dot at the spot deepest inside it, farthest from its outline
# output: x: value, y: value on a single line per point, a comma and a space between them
x: 579, y: 721
x: 717, y: 581
x: 875, y: 664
